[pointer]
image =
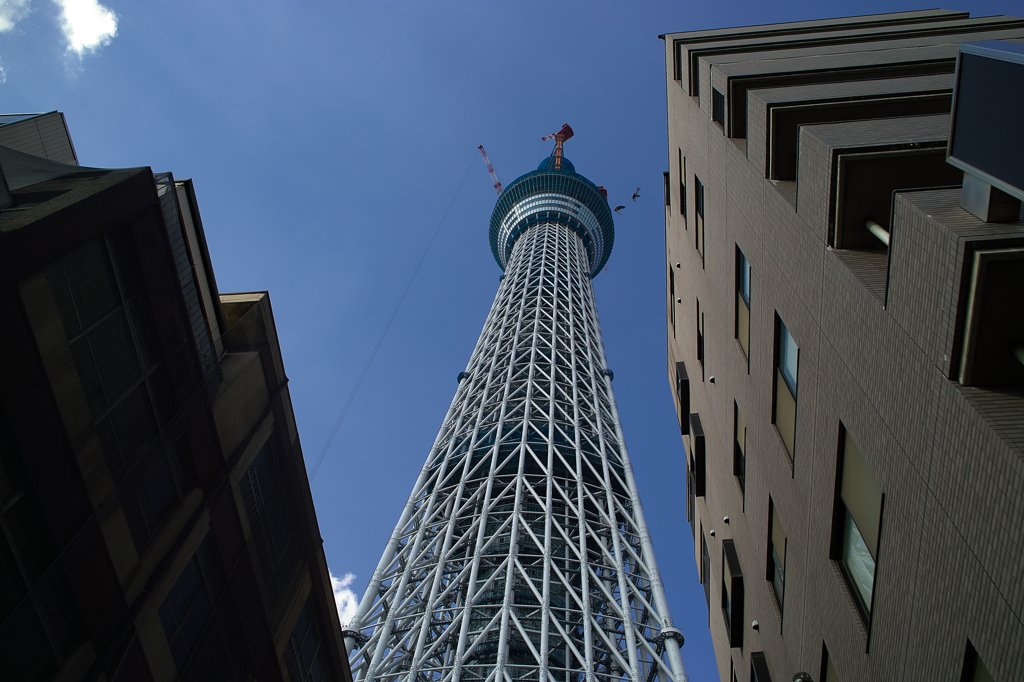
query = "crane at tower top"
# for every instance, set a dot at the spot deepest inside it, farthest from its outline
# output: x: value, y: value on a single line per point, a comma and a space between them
x: 561, y: 136
x: 490, y: 169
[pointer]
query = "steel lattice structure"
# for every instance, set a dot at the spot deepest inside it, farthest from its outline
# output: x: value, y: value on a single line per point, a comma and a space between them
x: 522, y: 552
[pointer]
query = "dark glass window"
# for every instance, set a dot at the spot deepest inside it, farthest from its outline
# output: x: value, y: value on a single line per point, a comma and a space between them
x: 188, y: 608
x: 759, y: 668
x: 739, y: 462
x: 699, y: 223
x: 305, y: 655
x: 705, y: 568
x: 700, y: 338
x: 717, y: 107
x: 974, y: 669
x: 683, y: 394
x: 743, y: 303
x: 776, y: 570
x: 787, y: 356
x: 39, y: 613
x: 268, y: 507
x: 828, y: 669
x: 856, y: 523
x: 99, y: 296
x: 672, y: 298
x: 732, y: 594
x: 682, y: 184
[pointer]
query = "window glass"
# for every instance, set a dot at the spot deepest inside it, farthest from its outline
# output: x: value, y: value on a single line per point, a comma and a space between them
x: 830, y: 670
x: 111, y: 345
x: 740, y: 458
x: 91, y: 282
x: 744, y: 278
x: 859, y: 515
x: 705, y: 569
x: 700, y: 338
x: 188, y: 608
x: 858, y: 562
x: 305, y: 655
x: 682, y: 183
x: 861, y: 494
x: 981, y: 673
x: 184, y: 613
x: 788, y: 353
x: 777, y: 555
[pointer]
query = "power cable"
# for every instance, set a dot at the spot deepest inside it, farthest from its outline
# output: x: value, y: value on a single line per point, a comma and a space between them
x: 387, y: 327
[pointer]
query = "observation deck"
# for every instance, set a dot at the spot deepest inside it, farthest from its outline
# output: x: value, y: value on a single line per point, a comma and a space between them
x: 552, y: 195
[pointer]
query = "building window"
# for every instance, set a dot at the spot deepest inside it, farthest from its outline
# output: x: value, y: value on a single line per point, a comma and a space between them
x: 732, y: 594
x: 739, y: 459
x: 974, y: 668
x: 698, y: 200
x: 717, y: 107
x: 305, y: 653
x: 683, y: 394
x: 189, y: 605
x: 828, y: 670
x: 784, y: 408
x: 697, y: 454
x: 759, y: 668
x: 695, y: 469
x: 267, y: 505
x: 682, y: 185
x: 99, y: 295
x: 40, y: 613
x: 856, y: 523
x: 743, y: 304
x: 700, y: 338
x: 705, y: 568
x: 672, y: 298
x: 668, y: 193
x: 776, y: 569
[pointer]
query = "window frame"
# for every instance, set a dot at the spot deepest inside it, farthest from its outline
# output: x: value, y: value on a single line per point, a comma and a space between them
x: 672, y: 298
x: 699, y: 199
x: 786, y: 401
x: 682, y: 186
x: 683, y: 394
x: 739, y: 460
x: 718, y: 108
x: 700, y: 338
x: 130, y: 471
x: 741, y: 331
x: 773, y: 561
x: 732, y: 594
x: 841, y: 518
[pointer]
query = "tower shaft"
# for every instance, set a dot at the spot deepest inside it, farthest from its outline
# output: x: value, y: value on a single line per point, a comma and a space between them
x: 522, y: 552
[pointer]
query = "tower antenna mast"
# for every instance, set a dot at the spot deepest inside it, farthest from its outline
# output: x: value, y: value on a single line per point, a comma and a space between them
x: 490, y: 169
x: 561, y: 136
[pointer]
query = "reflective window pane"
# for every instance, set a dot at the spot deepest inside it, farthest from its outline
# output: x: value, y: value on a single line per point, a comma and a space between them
x: 788, y: 357
x: 857, y: 560
x: 90, y: 282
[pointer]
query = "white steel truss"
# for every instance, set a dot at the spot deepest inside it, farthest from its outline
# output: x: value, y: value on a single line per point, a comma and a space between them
x: 522, y: 553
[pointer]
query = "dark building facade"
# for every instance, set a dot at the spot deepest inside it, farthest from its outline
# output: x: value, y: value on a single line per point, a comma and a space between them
x: 845, y: 349
x: 156, y: 517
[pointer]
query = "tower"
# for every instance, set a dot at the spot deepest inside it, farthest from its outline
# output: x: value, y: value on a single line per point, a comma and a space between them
x: 522, y: 552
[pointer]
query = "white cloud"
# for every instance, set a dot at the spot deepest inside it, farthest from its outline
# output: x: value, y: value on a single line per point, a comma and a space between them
x: 11, y: 12
x: 344, y: 597
x: 87, y: 25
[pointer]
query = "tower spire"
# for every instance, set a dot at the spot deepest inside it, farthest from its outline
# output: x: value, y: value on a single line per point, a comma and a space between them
x: 522, y: 554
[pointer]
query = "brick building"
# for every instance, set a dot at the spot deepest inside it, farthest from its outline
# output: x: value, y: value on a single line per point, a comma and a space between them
x: 855, y: 483
x: 156, y: 521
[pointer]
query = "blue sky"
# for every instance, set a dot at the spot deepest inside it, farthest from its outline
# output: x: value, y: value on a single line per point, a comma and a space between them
x: 325, y: 141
